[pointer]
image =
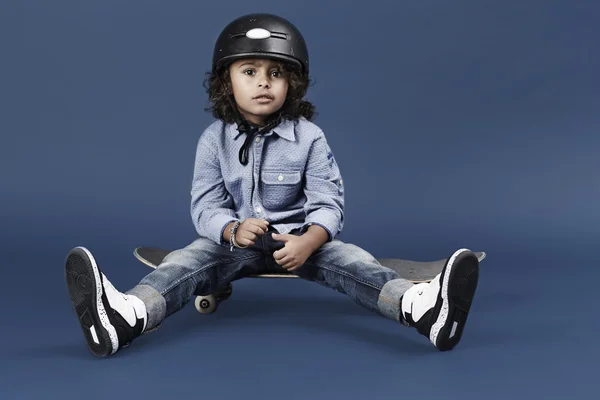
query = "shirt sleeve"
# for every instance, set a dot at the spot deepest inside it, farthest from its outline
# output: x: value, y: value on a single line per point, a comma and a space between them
x: 323, y: 189
x: 211, y: 204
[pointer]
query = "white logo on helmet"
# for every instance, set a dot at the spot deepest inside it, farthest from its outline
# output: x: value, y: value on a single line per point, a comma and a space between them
x: 258, y: 33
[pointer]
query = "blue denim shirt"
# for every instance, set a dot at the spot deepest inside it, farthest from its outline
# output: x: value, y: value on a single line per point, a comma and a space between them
x: 292, y: 180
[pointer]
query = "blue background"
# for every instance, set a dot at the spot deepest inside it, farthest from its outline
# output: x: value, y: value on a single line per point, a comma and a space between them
x: 479, y: 121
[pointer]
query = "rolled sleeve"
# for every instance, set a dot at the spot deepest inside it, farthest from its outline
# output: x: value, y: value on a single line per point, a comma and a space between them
x: 211, y: 204
x: 323, y: 189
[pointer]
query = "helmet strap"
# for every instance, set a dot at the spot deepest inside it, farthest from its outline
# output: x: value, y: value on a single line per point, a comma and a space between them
x: 251, y: 131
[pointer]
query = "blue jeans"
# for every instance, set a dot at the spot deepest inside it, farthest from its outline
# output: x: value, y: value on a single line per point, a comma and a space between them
x: 205, y: 267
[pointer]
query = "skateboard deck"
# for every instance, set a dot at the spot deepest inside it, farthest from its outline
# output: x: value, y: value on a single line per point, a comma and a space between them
x: 414, y: 271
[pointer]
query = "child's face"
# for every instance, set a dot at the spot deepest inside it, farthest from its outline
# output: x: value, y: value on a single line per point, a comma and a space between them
x: 253, y: 78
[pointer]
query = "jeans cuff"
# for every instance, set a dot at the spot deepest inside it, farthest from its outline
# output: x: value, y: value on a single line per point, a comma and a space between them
x: 388, y: 302
x: 156, y: 305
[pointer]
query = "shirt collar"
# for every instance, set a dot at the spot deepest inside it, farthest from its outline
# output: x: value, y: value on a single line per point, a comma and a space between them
x: 285, y: 130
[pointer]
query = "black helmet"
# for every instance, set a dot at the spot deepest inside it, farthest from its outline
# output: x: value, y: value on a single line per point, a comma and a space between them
x: 260, y: 35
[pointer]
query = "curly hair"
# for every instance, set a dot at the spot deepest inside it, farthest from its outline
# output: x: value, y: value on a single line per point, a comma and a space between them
x: 218, y: 87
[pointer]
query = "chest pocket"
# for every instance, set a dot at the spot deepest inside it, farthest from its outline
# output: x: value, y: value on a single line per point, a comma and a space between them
x: 279, y: 189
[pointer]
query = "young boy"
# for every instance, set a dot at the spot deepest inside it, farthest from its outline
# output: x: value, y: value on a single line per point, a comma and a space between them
x: 273, y: 203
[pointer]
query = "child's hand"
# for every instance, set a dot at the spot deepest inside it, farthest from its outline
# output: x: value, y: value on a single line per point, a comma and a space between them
x: 294, y: 253
x: 249, y: 230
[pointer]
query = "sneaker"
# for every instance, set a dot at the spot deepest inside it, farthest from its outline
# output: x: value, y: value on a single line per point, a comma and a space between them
x: 109, y: 319
x: 439, y: 309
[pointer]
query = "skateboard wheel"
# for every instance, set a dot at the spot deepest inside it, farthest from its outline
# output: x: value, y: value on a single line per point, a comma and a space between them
x: 206, y: 304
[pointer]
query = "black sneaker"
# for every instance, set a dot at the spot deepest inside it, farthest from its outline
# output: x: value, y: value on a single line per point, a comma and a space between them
x: 439, y: 309
x: 109, y: 319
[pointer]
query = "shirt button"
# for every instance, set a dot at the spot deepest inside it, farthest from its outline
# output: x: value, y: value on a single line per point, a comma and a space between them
x: 258, y: 210
x: 280, y: 178
x: 257, y: 139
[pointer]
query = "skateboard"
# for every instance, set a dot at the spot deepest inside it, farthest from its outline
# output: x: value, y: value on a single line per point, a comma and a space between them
x: 414, y: 271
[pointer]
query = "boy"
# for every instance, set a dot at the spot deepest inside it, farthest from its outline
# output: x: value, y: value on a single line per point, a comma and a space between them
x: 273, y: 203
